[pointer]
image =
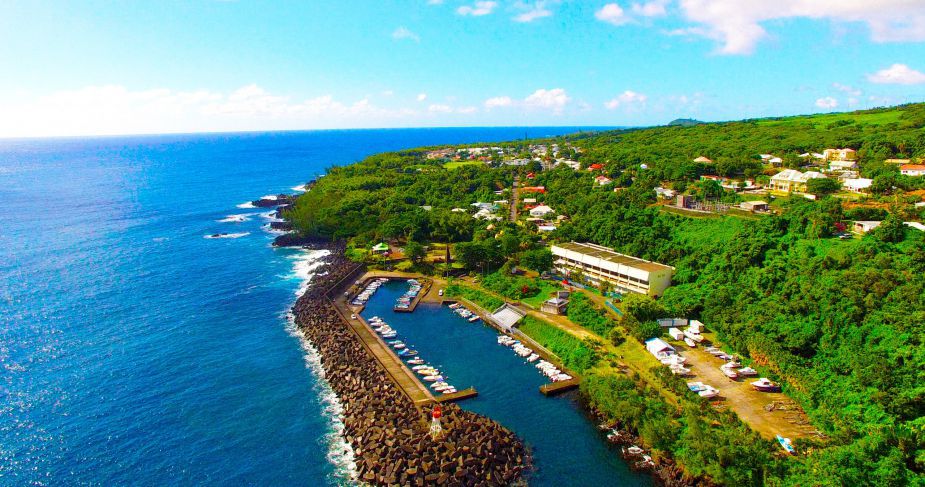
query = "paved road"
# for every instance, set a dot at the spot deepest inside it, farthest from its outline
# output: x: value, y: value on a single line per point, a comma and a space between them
x: 514, y: 199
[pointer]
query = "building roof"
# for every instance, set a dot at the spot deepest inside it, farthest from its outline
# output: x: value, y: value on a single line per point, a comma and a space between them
x: 656, y: 345
x: 912, y: 167
x: 609, y: 255
x: 796, y: 176
x: 702, y: 159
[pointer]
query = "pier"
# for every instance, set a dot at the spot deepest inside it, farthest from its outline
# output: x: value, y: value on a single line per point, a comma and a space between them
x: 458, y: 396
x: 556, y: 388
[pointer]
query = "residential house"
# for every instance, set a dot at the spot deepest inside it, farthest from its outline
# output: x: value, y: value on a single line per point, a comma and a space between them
x: 703, y: 160
x: 865, y: 226
x: 540, y: 211
x: 777, y: 161
x: 603, y: 180
x: 528, y: 201
x: 664, y: 193
x: 599, y: 264
x: 533, y: 189
x: 897, y: 161
x: 912, y: 169
x: 546, y: 228
x: 791, y: 180
x: 595, y: 167
x: 916, y: 225
x: 840, y: 155
x: 857, y: 185
x: 842, y: 165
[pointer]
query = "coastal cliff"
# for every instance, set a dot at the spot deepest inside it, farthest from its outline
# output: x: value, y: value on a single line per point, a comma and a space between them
x: 387, y: 433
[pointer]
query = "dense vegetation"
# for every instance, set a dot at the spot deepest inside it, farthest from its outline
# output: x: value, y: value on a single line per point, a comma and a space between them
x: 839, y: 322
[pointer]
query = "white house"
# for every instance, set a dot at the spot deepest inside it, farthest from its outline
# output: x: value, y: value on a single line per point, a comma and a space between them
x: 865, y: 226
x: 912, y: 169
x: 540, y: 211
x: 528, y: 201
x: 857, y: 185
x: 603, y: 180
x: 842, y: 165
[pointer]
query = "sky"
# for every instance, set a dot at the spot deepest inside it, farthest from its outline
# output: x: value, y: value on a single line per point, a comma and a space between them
x: 126, y: 67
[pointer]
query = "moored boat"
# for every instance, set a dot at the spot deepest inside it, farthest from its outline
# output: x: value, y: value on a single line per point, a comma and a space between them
x: 766, y: 385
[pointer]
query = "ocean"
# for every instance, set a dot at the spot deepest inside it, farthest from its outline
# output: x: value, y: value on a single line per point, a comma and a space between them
x: 137, y: 351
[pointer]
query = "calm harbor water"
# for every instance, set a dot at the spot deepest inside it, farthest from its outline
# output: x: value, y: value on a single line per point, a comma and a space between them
x: 136, y: 351
x: 567, y: 448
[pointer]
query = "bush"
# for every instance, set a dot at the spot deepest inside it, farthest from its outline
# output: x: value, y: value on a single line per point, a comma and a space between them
x: 574, y: 353
x: 583, y: 312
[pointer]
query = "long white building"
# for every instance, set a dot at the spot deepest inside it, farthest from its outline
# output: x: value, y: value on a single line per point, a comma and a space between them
x: 625, y: 272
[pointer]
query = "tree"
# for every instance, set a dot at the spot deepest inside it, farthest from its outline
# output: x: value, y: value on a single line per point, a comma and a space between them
x: 415, y: 251
x: 642, y: 307
x: 822, y: 186
x: 891, y: 230
x: 539, y: 260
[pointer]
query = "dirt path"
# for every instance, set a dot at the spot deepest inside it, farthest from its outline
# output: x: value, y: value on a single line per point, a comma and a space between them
x: 515, y: 198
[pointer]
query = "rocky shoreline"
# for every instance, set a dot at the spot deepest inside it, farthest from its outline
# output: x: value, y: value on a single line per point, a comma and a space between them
x: 388, y: 434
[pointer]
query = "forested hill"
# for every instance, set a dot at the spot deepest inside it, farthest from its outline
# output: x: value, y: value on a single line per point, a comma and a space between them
x: 840, y: 321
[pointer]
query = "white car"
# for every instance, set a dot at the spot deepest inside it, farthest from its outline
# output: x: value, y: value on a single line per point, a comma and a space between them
x: 440, y: 292
x: 353, y: 317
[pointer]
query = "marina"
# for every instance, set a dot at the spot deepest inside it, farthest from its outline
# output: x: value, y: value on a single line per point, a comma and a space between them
x: 468, y: 355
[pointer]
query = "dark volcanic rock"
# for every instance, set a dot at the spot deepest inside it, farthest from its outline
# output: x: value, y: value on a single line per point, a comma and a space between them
x: 388, y: 434
x: 281, y: 199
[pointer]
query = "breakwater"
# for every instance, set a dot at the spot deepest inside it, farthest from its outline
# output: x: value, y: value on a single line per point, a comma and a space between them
x: 388, y: 434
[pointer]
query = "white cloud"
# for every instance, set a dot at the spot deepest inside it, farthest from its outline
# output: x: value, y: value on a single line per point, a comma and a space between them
x: 388, y: 93
x: 422, y: 96
x: 478, y: 9
x: 403, y: 33
x: 436, y: 108
x: 827, y: 102
x: 625, y: 99
x: 897, y: 74
x: 531, y: 12
x: 498, y: 101
x: 850, y: 90
x: 467, y: 110
x: 736, y: 25
x: 653, y: 8
x: 113, y: 109
x: 434, y: 2
x: 612, y: 14
x: 555, y: 99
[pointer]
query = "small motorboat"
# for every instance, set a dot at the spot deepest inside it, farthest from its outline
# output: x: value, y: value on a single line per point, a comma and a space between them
x: 748, y: 371
x: 533, y: 357
x: 408, y: 353
x: 399, y: 346
x: 729, y: 372
x: 474, y: 318
x: 433, y: 378
x: 416, y: 361
x: 389, y: 334
x: 708, y: 393
x: 420, y: 367
x: 438, y: 384
x: 689, y: 342
x: 765, y: 385
x: 696, y: 386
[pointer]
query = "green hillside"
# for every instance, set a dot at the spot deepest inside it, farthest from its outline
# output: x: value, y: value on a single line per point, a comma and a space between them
x: 839, y: 321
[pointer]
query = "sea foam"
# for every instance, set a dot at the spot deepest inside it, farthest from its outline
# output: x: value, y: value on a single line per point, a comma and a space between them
x: 239, y: 218
x: 340, y: 453
x: 246, y: 205
x: 300, y: 188
x: 228, y: 235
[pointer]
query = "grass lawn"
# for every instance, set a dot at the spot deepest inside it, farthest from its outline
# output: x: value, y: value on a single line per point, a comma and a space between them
x: 546, y: 290
x: 455, y: 164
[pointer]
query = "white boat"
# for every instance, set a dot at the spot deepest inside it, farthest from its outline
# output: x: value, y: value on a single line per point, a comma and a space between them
x: 708, y: 393
x: 729, y: 372
x: 533, y: 357
x: 438, y: 384
x: 474, y: 318
x: 689, y: 342
x: 416, y: 361
x: 748, y: 372
x: 433, y: 378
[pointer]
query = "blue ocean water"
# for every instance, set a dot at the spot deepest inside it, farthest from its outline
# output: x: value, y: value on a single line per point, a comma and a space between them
x: 136, y: 351
x: 567, y: 448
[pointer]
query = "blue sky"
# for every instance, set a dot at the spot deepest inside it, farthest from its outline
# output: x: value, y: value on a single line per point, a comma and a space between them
x: 76, y: 68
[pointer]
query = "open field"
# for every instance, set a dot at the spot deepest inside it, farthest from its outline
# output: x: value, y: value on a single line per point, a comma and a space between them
x: 457, y: 164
